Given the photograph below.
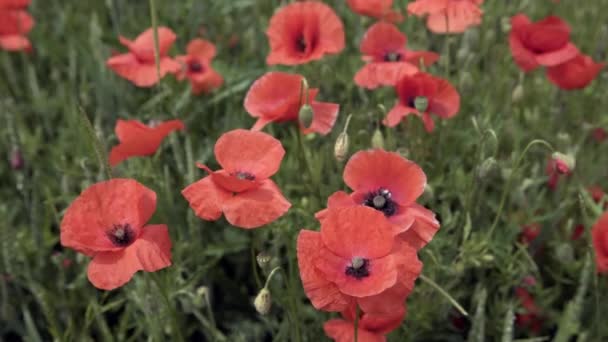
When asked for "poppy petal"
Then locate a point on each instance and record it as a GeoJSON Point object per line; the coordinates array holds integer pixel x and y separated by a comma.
{"type": "Point", "coordinates": [574, 74]}
{"type": "Point", "coordinates": [271, 95]}
{"type": "Point", "coordinates": [141, 74]}
{"type": "Point", "coordinates": [324, 117]}
{"type": "Point", "coordinates": [368, 171]}
{"type": "Point", "coordinates": [102, 206]}
{"type": "Point", "coordinates": [256, 153]}
{"type": "Point", "coordinates": [426, 58]}
{"type": "Point", "coordinates": [599, 234]}
{"type": "Point", "coordinates": [424, 227]}
{"type": "Point", "coordinates": [343, 331]}
{"type": "Point", "coordinates": [143, 45]}
{"type": "Point", "coordinates": [202, 49]}
{"type": "Point", "coordinates": [233, 183]}
{"type": "Point", "coordinates": [376, 74]}
{"type": "Point", "coordinates": [206, 198]}
{"type": "Point", "coordinates": [457, 17]}
{"type": "Point", "coordinates": [210, 81]}
{"type": "Point", "coordinates": [323, 294]}
{"type": "Point", "coordinates": [396, 114]}
{"type": "Point", "coordinates": [338, 199]}
{"type": "Point", "coordinates": [256, 207]}
{"type": "Point", "coordinates": [557, 57]}
{"type": "Point", "coordinates": [380, 38]}
{"type": "Point", "coordinates": [15, 43]}
{"type": "Point", "coordinates": [150, 252]}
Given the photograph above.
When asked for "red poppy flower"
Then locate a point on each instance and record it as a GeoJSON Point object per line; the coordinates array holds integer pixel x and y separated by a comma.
{"type": "Point", "coordinates": [599, 234]}
{"type": "Point", "coordinates": [356, 258]}
{"type": "Point", "coordinates": [599, 134]}
{"type": "Point", "coordinates": [15, 24]}
{"type": "Point", "coordinates": [242, 190]}
{"type": "Point", "coordinates": [576, 73]}
{"type": "Point", "coordinates": [577, 232]}
{"type": "Point", "coordinates": [138, 65]}
{"type": "Point", "coordinates": [389, 183]}
{"type": "Point", "coordinates": [138, 140]}
{"type": "Point", "coordinates": [107, 222]}
{"type": "Point", "coordinates": [197, 67]}
{"type": "Point", "coordinates": [302, 32]}
{"type": "Point", "coordinates": [529, 233]}
{"type": "Point", "coordinates": [379, 9]}
{"type": "Point", "coordinates": [370, 328]}
{"type": "Point", "coordinates": [546, 42]}
{"type": "Point", "coordinates": [556, 167]}
{"type": "Point", "coordinates": [447, 16]}
{"type": "Point", "coordinates": [530, 317]}
{"type": "Point", "coordinates": [277, 97]}
{"type": "Point", "coordinates": [383, 47]}
{"type": "Point", "coordinates": [597, 194]}
{"type": "Point", "coordinates": [440, 96]}
{"type": "Point", "coordinates": [14, 4]}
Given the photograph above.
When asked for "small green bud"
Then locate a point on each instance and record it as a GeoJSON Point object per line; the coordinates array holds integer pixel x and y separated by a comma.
{"type": "Point", "coordinates": [305, 116]}
{"type": "Point", "coordinates": [341, 147]}
{"type": "Point", "coordinates": [518, 93]}
{"type": "Point", "coordinates": [378, 139]}
{"type": "Point", "coordinates": [487, 168]}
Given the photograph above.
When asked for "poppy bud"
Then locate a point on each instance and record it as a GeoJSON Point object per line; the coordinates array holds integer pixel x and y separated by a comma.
{"type": "Point", "coordinates": [563, 164]}
{"type": "Point", "coordinates": [378, 139]}
{"type": "Point", "coordinates": [518, 93]}
{"type": "Point", "coordinates": [305, 115]}
{"type": "Point", "coordinates": [421, 103]}
{"type": "Point", "coordinates": [263, 258]}
{"type": "Point", "coordinates": [16, 159]}
{"type": "Point", "coordinates": [486, 168]}
{"type": "Point", "coordinates": [599, 134]}
{"type": "Point", "coordinates": [263, 302]}
{"type": "Point", "coordinates": [342, 143]}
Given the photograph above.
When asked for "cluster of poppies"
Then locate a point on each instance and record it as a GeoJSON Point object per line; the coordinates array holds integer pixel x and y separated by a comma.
{"type": "Point", "coordinates": [139, 64]}
{"type": "Point", "coordinates": [15, 24]}
{"type": "Point", "coordinates": [547, 43]}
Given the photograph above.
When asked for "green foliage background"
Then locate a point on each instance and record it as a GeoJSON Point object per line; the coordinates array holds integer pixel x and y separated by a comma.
{"type": "Point", "coordinates": [207, 293]}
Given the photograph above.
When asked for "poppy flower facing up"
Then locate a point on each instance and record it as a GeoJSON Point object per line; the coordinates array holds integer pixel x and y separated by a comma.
{"type": "Point", "coordinates": [447, 16]}
{"type": "Point", "coordinates": [108, 223]}
{"type": "Point", "coordinates": [384, 48]}
{"type": "Point", "coordinates": [302, 32]}
{"type": "Point", "coordinates": [437, 96]}
{"type": "Point", "coordinates": [138, 65]}
{"type": "Point", "coordinates": [390, 184]}
{"type": "Point", "coordinates": [197, 67]}
{"type": "Point", "coordinates": [242, 190]}
{"type": "Point", "coordinates": [576, 73]}
{"type": "Point", "coordinates": [356, 260]}
{"type": "Point", "coordinates": [138, 140]}
{"type": "Point", "coordinates": [546, 42]}
{"type": "Point", "coordinates": [278, 97]}
{"type": "Point", "coordinates": [599, 234]}
{"type": "Point", "coordinates": [15, 24]}
{"type": "Point", "coordinates": [371, 328]}
{"type": "Point", "coordinates": [379, 9]}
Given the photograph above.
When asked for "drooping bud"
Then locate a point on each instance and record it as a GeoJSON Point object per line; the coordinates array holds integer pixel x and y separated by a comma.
{"type": "Point", "coordinates": [342, 142]}
{"type": "Point", "coordinates": [421, 103]}
{"type": "Point", "coordinates": [306, 114]}
{"type": "Point", "coordinates": [378, 139]}
{"type": "Point", "coordinates": [487, 168]}
{"type": "Point", "coordinates": [518, 93]}
{"type": "Point", "coordinates": [263, 301]}
{"type": "Point", "coordinates": [564, 164]}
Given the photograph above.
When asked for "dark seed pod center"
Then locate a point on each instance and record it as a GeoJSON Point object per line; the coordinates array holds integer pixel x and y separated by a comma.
{"type": "Point", "coordinates": [381, 200]}
{"type": "Point", "coordinates": [121, 235]}
{"type": "Point", "coordinates": [359, 268]}
{"type": "Point", "coordinates": [195, 66]}
{"type": "Point", "coordinates": [392, 57]}
{"type": "Point", "coordinates": [301, 44]}
{"type": "Point", "coordinates": [244, 175]}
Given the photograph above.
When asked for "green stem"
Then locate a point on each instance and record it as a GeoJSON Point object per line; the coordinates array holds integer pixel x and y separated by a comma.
{"type": "Point", "coordinates": [274, 270]}
{"type": "Point", "coordinates": [445, 294]}
{"type": "Point", "coordinates": [154, 19]}
{"type": "Point", "coordinates": [356, 323]}
{"type": "Point", "coordinates": [97, 144]}
{"type": "Point", "coordinates": [176, 329]}
{"type": "Point", "coordinates": [507, 188]}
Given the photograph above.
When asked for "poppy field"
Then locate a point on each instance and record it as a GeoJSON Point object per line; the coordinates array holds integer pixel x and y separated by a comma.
{"type": "Point", "coordinates": [340, 170]}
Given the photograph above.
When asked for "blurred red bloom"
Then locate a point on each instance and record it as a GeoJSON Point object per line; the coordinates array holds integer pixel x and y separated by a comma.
{"type": "Point", "coordinates": [384, 48]}
{"type": "Point", "coordinates": [530, 317]}
{"type": "Point", "coordinates": [107, 222]}
{"type": "Point", "coordinates": [138, 65]}
{"type": "Point", "coordinates": [447, 16]}
{"type": "Point", "coordinates": [599, 234]}
{"type": "Point", "coordinates": [356, 258]}
{"type": "Point", "coordinates": [597, 194]}
{"type": "Point", "coordinates": [278, 97]}
{"type": "Point", "coordinates": [138, 140]}
{"type": "Point", "coordinates": [529, 233]}
{"type": "Point", "coordinates": [379, 9]}
{"type": "Point", "coordinates": [577, 232]}
{"type": "Point", "coordinates": [302, 32]}
{"type": "Point", "coordinates": [599, 134]}
{"type": "Point", "coordinates": [576, 73]}
{"type": "Point", "coordinates": [196, 67]}
{"type": "Point", "coordinates": [439, 96]}
{"type": "Point", "coordinates": [556, 167]}
{"type": "Point", "coordinates": [389, 183]}
{"type": "Point", "coordinates": [370, 328]}
{"type": "Point", "coordinates": [242, 189]}
{"type": "Point", "coordinates": [15, 24]}
{"type": "Point", "coordinates": [546, 42]}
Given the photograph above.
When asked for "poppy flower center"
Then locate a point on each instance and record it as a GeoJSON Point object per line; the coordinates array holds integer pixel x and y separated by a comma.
{"type": "Point", "coordinates": [301, 44]}
{"type": "Point", "coordinates": [392, 57]}
{"type": "Point", "coordinates": [195, 66]}
{"type": "Point", "coordinates": [244, 175]}
{"type": "Point", "coordinates": [121, 235]}
{"type": "Point", "coordinates": [358, 268]}
{"type": "Point", "coordinates": [381, 200]}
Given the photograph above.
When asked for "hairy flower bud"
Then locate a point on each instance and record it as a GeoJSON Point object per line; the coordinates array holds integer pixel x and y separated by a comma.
{"type": "Point", "coordinates": [263, 301]}
{"type": "Point", "coordinates": [378, 139]}
{"type": "Point", "coordinates": [341, 147]}
{"type": "Point", "coordinates": [518, 93]}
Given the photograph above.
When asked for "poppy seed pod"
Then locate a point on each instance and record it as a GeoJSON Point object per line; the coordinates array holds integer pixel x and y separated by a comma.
{"type": "Point", "coordinates": [518, 93]}
{"type": "Point", "coordinates": [421, 103]}
{"type": "Point", "coordinates": [263, 301]}
{"type": "Point", "coordinates": [263, 258]}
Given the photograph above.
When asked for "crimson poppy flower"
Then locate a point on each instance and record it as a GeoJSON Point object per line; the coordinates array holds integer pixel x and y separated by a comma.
{"type": "Point", "coordinates": [138, 140]}
{"type": "Point", "coordinates": [379, 9]}
{"type": "Point", "coordinates": [447, 16]}
{"type": "Point", "coordinates": [439, 96]}
{"type": "Point", "coordinates": [529, 233]}
{"type": "Point", "coordinates": [302, 32]}
{"type": "Point", "coordinates": [370, 328]}
{"type": "Point", "coordinates": [558, 165]}
{"type": "Point", "coordinates": [356, 258]}
{"type": "Point", "coordinates": [197, 67]}
{"type": "Point", "coordinates": [15, 24]}
{"type": "Point", "coordinates": [138, 65]}
{"type": "Point", "coordinates": [389, 183]}
{"type": "Point", "coordinates": [108, 223]}
{"type": "Point", "coordinates": [576, 73]}
{"type": "Point", "coordinates": [599, 234]}
{"type": "Point", "coordinates": [546, 42]}
{"type": "Point", "coordinates": [530, 317]}
{"type": "Point", "coordinates": [383, 47]}
{"type": "Point", "coordinates": [577, 232]}
{"type": "Point", "coordinates": [242, 190]}
{"type": "Point", "coordinates": [599, 134]}
{"type": "Point", "coordinates": [597, 194]}
{"type": "Point", "coordinates": [278, 97]}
